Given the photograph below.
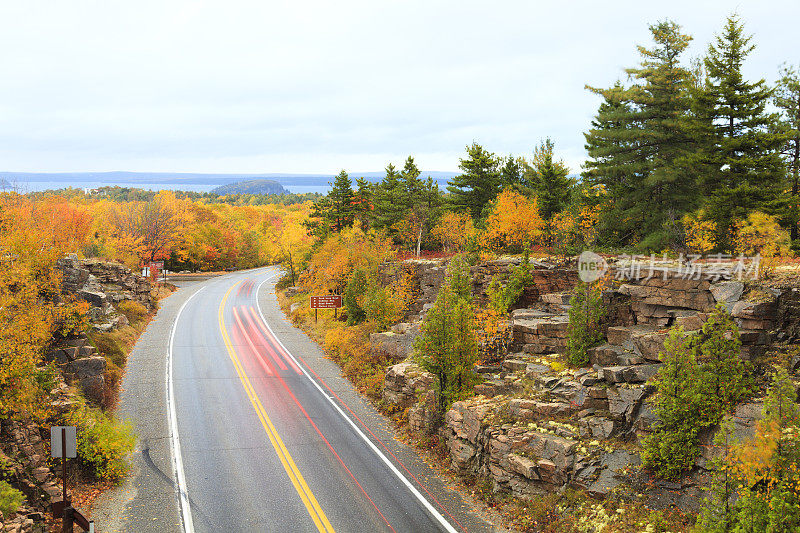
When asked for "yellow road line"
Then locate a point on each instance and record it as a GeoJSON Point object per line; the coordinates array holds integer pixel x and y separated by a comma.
{"type": "Point", "coordinates": [303, 490]}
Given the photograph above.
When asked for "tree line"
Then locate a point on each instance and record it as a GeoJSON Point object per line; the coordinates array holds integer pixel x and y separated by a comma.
{"type": "Point", "coordinates": [679, 149]}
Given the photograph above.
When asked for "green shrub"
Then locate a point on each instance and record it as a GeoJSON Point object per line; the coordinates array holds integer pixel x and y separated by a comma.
{"type": "Point", "coordinates": [702, 377]}
{"type": "Point", "coordinates": [380, 306]}
{"type": "Point", "coordinates": [104, 443]}
{"type": "Point", "coordinates": [10, 499]}
{"type": "Point", "coordinates": [447, 346]}
{"type": "Point", "coordinates": [584, 329]}
{"type": "Point", "coordinates": [501, 298]}
{"type": "Point", "coordinates": [354, 296]}
{"type": "Point", "coordinates": [133, 311]}
{"type": "Point", "coordinates": [459, 278]}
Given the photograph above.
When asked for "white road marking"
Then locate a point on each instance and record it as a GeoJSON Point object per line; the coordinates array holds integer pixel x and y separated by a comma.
{"type": "Point", "coordinates": [431, 509]}
{"type": "Point", "coordinates": [181, 490]}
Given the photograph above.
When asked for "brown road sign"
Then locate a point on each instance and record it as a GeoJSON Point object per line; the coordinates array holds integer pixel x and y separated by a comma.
{"type": "Point", "coordinates": [329, 301]}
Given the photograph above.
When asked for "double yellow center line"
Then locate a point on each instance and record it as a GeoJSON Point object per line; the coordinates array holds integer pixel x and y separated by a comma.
{"type": "Point", "coordinates": [317, 515]}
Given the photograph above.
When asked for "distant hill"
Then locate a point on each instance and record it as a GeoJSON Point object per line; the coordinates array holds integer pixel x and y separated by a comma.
{"type": "Point", "coordinates": [251, 187]}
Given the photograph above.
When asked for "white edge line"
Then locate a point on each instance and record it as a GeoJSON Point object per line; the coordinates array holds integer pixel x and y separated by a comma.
{"type": "Point", "coordinates": [181, 491]}
{"type": "Point", "coordinates": [431, 509]}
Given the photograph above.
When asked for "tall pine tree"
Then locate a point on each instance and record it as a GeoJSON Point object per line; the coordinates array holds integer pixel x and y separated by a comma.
{"type": "Point", "coordinates": [478, 184]}
{"type": "Point", "coordinates": [341, 202]}
{"type": "Point", "coordinates": [512, 175]}
{"type": "Point", "coordinates": [787, 99]}
{"type": "Point", "coordinates": [640, 140]}
{"type": "Point", "coordinates": [738, 159]}
{"type": "Point", "coordinates": [362, 203]}
{"type": "Point", "coordinates": [549, 180]}
{"type": "Point", "coordinates": [388, 200]}
{"type": "Point", "coordinates": [412, 184]}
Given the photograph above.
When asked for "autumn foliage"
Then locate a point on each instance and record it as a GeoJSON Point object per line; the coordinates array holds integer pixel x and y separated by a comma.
{"type": "Point", "coordinates": [513, 222]}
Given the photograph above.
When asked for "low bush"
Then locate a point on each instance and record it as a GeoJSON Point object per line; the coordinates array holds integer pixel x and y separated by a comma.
{"type": "Point", "coordinates": [353, 298]}
{"type": "Point", "coordinates": [502, 297]}
{"type": "Point", "coordinates": [115, 344]}
{"type": "Point", "coordinates": [104, 443]}
{"type": "Point", "coordinates": [585, 315]}
{"type": "Point", "coordinates": [350, 348]}
{"type": "Point", "coordinates": [10, 499]}
{"type": "Point", "coordinates": [382, 307]}
{"type": "Point", "coordinates": [112, 378]}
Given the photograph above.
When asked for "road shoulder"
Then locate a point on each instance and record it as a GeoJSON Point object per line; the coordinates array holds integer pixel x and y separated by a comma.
{"type": "Point", "coordinates": [146, 501]}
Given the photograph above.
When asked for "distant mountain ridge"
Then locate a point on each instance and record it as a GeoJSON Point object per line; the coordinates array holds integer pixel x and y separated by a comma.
{"type": "Point", "coordinates": [251, 187]}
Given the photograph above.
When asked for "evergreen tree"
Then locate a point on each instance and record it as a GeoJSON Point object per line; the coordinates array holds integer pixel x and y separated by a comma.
{"type": "Point", "coordinates": [341, 202]}
{"type": "Point", "coordinates": [362, 203]}
{"type": "Point", "coordinates": [780, 405]}
{"type": "Point", "coordinates": [702, 377]}
{"type": "Point", "coordinates": [609, 154]}
{"type": "Point", "coordinates": [717, 515]}
{"type": "Point", "coordinates": [511, 175]}
{"type": "Point", "coordinates": [447, 346]}
{"type": "Point", "coordinates": [549, 180]}
{"type": "Point", "coordinates": [318, 223]}
{"type": "Point", "coordinates": [422, 210]}
{"type": "Point", "coordinates": [640, 139]}
{"type": "Point", "coordinates": [479, 182]}
{"type": "Point", "coordinates": [412, 185]}
{"type": "Point", "coordinates": [389, 200]}
{"type": "Point", "coordinates": [787, 99]}
{"type": "Point", "coordinates": [738, 157]}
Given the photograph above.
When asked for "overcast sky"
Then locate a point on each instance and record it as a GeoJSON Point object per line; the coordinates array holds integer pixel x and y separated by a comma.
{"type": "Point", "coordinates": [297, 86]}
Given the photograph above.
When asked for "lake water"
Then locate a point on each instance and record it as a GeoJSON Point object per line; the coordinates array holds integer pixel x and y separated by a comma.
{"type": "Point", "coordinates": [298, 184]}
{"type": "Point", "coordinates": [36, 186]}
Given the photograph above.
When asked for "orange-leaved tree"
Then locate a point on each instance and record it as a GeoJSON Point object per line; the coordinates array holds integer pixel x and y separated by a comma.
{"type": "Point", "coordinates": [31, 307]}
{"type": "Point", "coordinates": [454, 231]}
{"type": "Point", "coordinates": [513, 222]}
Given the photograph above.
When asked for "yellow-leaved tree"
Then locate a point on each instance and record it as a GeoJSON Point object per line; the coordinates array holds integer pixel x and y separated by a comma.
{"type": "Point", "coordinates": [700, 232]}
{"type": "Point", "coordinates": [31, 307]}
{"type": "Point", "coordinates": [760, 234]}
{"type": "Point", "coordinates": [513, 223]}
{"type": "Point", "coordinates": [454, 231]}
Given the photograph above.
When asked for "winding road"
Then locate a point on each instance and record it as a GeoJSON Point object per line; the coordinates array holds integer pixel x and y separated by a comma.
{"type": "Point", "coordinates": [261, 439]}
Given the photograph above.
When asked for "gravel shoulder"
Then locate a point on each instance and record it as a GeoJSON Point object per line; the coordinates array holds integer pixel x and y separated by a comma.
{"type": "Point", "coordinates": [146, 500]}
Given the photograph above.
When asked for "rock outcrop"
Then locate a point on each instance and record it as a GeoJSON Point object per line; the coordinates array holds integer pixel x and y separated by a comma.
{"type": "Point", "coordinates": [104, 283]}
{"type": "Point", "coordinates": [535, 426]}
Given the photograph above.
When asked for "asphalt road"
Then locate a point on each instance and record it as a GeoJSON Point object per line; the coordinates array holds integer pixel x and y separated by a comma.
{"type": "Point", "coordinates": [263, 433]}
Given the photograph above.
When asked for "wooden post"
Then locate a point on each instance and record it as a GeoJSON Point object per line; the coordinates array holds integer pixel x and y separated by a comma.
{"type": "Point", "coordinates": [66, 520]}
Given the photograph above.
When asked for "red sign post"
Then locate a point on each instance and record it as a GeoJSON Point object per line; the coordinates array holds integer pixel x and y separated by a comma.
{"type": "Point", "coordinates": [328, 301]}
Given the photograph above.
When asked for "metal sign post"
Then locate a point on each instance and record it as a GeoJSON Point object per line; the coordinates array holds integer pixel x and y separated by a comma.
{"type": "Point", "coordinates": [64, 444]}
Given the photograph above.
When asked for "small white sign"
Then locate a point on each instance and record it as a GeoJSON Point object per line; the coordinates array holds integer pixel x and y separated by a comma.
{"type": "Point", "coordinates": [591, 266]}
{"type": "Point", "coordinates": [70, 434]}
